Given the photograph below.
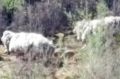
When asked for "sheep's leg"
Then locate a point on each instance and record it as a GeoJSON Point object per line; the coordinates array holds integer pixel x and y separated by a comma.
{"type": "Point", "coordinates": [6, 49]}
{"type": "Point", "coordinates": [78, 35]}
{"type": "Point", "coordinates": [85, 33]}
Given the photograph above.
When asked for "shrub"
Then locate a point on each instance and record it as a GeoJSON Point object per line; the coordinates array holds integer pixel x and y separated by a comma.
{"type": "Point", "coordinates": [102, 51]}
{"type": "Point", "coordinates": [10, 4]}
{"type": "Point", "coordinates": [102, 9]}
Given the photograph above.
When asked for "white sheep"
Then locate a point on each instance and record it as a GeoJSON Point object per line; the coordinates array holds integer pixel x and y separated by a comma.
{"type": "Point", "coordinates": [26, 42]}
{"type": "Point", "coordinates": [78, 29]}
{"type": "Point", "coordinates": [109, 20]}
{"type": "Point", "coordinates": [7, 35]}
{"type": "Point", "coordinates": [83, 28]}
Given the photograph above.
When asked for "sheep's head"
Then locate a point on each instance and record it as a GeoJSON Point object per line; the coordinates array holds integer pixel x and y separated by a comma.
{"type": "Point", "coordinates": [7, 35]}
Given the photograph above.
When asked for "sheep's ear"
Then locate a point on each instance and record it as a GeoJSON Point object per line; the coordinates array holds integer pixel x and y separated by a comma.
{"type": "Point", "coordinates": [8, 39]}
{"type": "Point", "coordinates": [6, 32]}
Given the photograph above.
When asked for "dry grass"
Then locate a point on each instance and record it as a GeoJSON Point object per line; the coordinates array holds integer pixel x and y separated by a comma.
{"type": "Point", "coordinates": [98, 60]}
{"type": "Point", "coordinates": [2, 49]}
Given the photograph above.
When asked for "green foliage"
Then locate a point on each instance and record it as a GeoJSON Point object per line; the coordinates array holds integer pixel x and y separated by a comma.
{"type": "Point", "coordinates": [102, 9]}
{"type": "Point", "coordinates": [96, 41]}
{"type": "Point", "coordinates": [10, 4]}
{"type": "Point", "coordinates": [84, 14]}
{"type": "Point", "coordinates": [78, 15]}
{"type": "Point", "coordinates": [117, 37]}
{"type": "Point", "coordinates": [94, 51]}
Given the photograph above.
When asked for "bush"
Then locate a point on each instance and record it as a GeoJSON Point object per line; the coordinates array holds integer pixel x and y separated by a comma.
{"type": "Point", "coordinates": [10, 4]}
{"type": "Point", "coordinates": [102, 9]}
{"type": "Point", "coordinates": [41, 16]}
{"type": "Point", "coordinates": [102, 54]}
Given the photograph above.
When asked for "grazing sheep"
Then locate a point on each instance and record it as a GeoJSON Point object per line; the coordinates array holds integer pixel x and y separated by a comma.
{"type": "Point", "coordinates": [79, 28]}
{"type": "Point", "coordinates": [84, 28]}
{"type": "Point", "coordinates": [85, 33]}
{"type": "Point", "coordinates": [90, 27]}
{"type": "Point", "coordinates": [109, 20]}
{"type": "Point", "coordinates": [7, 35]}
{"type": "Point", "coordinates": [23, 42]}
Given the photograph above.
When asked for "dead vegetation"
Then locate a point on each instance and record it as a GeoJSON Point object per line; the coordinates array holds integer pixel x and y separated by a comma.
{"type": "Point", "coordinates": [58, 67]}
{"type": "Point", "coordinates": [98, 58]}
